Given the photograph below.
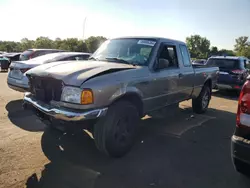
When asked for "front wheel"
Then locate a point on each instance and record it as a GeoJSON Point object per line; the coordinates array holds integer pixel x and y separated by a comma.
{"type": "Point", "coordinates": [200, 104]}
{"type": "Point", "coordinates": [116, 132]}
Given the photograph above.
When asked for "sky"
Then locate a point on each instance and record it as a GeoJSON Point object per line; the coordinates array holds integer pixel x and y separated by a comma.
{"type": "Point", "coordinates": [220, 21]}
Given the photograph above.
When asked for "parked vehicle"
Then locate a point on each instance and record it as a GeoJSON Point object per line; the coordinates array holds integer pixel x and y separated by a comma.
{"type": "Point", "coordinates": [241, 138]}
{"type": "Point", "coordinates": [32, 53]}
{"type": "Point", "coordinates": [126, 79]}
{"type": "Point", "coordinates": [199, 62]}
{"type": "Point", "coordinates": [11, 57]}
{"type": "Point", "coordinates": [233, 71]}
{"type": "Point", "coordinates": [4, 62]}
{"type": "Point", "coordinates": [18, 81]}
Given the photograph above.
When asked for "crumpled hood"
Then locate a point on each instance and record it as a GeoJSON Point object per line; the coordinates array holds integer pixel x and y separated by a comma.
{"type": "Point", "coordinates": [74, 73]}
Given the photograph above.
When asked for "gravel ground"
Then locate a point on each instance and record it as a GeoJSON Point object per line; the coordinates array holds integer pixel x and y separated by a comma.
{"type": "Point", "coordinates": [180, 150]}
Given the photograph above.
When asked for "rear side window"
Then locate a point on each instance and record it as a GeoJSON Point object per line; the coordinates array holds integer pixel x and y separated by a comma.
{"type": "Point", "coordinates": [243, 64]}
{"type": "Point", "coordinates": [246, 63]}
{"type": "Point", "coordinates": [185, 56]}
{"type": "Point", "coordinates": [224, 63]}
{"type": "Point", "coordinates": [26, 55]}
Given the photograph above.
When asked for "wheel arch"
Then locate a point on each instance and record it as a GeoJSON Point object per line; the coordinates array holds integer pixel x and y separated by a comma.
{"type": "Point", "coordinates": [134, 98]}
{"type": "Point", "coordinates": [208, 82]}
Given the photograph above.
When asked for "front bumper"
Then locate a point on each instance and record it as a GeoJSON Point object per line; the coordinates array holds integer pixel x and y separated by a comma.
{"type": "Point", "coordinates": [63, 113]}
{"type": "Point", "coordinates": [240, 149]}
{"type": "Point", "coordinates": [18, 88]}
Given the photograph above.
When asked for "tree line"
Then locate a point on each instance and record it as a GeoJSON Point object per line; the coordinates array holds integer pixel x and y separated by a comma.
{"type": "Point", "coordinates": [69, 44]}
{"type": "Point", "coordinates": [200, 48]}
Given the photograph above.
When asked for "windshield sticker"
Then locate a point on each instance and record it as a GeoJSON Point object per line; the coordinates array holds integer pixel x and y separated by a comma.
{"type": "Point", "coordinates": [147, 42]}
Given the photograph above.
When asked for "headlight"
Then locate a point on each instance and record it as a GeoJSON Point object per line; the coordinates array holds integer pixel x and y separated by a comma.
{"type": "Point", "coordinates": [77, 95]}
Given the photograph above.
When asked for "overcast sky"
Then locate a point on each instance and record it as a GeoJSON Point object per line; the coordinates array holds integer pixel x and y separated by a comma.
{"type": "Point", "coordinates": [221, 21]}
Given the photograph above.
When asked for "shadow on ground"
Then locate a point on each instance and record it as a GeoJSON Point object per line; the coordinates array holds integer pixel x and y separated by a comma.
{"type": "Point", "coordinates": [226, 94]}
{"type": "Point", "coordinates": [200, 157]}
{"type": "Point", "coordinates": [23, 118]}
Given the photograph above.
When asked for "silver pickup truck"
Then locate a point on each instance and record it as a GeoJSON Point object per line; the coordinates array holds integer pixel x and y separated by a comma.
{"type": "Point", "coordinates": [123, 80]}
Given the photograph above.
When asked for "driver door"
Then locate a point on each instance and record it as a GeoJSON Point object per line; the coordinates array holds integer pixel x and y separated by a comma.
{"type": "Point", "coordinates": [164, 80]}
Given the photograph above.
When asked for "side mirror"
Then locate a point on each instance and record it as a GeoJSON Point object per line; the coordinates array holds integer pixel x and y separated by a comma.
{"type": "Point", "coordinates": [162, 63]}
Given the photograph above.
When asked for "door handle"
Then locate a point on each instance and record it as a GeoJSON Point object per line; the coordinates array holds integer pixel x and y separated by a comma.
{"type": "Point", "coordinates": [180, 75]}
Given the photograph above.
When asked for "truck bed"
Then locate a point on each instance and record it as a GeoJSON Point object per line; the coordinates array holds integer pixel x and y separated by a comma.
{"type": "Point", "coordinates": [202, 73]}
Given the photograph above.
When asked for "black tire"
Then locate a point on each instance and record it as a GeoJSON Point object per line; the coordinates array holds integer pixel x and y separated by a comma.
{"type": "Point", "coordinates": [54, 126]}
{"type": "Point", "coordinates": [198, 104]}
{"type": "Point", "coordinates": [115, 134]}
{"type": "Point", "coordinates": [241, 167]}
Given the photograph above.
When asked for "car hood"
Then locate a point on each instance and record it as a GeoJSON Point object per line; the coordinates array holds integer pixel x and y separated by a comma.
{"type": "Point", "coordinates": [76, 72]}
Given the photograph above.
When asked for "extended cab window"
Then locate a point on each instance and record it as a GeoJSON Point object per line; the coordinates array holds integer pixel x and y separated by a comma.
{"type": "Point", "coordinates": [167, 57]}
{"type": "Point", "coordinates": [185, 56]}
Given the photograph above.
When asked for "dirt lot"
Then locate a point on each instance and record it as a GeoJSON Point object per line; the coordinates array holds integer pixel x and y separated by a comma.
{"type": "Point", "coordinates": [177, 151]}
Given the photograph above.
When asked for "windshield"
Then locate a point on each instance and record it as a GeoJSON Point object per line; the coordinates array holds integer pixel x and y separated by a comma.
{"type": "Point", "coordinates": [131, 51]}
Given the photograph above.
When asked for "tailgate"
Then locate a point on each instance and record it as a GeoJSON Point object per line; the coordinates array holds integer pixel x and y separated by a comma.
{"type": "Point", "coordinates": [226, 76]}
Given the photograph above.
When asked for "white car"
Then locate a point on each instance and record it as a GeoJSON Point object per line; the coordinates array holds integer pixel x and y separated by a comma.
{"type": "Point", "coordinates": [18, 81]}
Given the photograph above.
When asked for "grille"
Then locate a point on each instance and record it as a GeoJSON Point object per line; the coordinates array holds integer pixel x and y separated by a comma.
{"type": "Point", "coordinates": [46, 89]}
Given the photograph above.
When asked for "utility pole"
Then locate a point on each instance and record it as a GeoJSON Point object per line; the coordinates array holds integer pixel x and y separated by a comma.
{"type": "Point", "coordinates": [84, 26]}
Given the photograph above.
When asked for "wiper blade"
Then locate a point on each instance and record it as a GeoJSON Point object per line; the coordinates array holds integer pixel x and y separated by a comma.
{"type": "Point", "coordinates": [120, 60]}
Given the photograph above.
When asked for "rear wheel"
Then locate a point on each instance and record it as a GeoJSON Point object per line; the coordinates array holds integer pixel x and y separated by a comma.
{"type": "Point", "coordinates": [116, 132]}
{"type": "Point", "coordinates": [200, 104]}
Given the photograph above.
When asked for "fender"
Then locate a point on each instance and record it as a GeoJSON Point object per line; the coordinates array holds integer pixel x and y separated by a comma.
{"type": "Point", "coordinates": [126, 91]}
{"type": "Point", "coordinates": [131, 94]}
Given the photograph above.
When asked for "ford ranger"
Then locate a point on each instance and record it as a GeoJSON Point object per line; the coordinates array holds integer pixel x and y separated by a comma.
{"type": "Point", "coordinates": [125, 79]}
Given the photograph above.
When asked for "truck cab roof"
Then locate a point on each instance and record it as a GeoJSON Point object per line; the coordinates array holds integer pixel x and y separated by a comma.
{"type": "Point", "coordinates": [161, 39]}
